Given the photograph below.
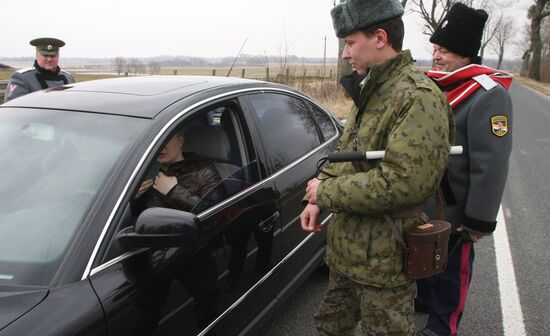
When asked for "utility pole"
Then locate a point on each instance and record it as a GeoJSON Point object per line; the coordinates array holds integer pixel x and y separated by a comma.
{"type": "Point", "coordinates": [325, 58]}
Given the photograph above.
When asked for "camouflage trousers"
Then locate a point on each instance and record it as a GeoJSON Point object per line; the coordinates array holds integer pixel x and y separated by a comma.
{"type": "Point", "coordinates": [382, 311]}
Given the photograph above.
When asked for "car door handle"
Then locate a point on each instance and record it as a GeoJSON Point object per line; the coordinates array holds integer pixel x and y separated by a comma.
{"type": "Point", "coordinates": [267, 224]}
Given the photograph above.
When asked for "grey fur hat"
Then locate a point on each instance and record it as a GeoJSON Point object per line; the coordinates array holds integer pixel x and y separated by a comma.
{"type": "Point", "coordinates": [353, 15]}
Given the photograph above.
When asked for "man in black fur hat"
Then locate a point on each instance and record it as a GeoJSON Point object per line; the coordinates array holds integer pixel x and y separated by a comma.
{"type": "Point", "coordinates": [474, 181]}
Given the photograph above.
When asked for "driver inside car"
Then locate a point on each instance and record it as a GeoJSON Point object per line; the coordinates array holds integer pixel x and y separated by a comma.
{"type": "Point", "coordinates": [180, 184]}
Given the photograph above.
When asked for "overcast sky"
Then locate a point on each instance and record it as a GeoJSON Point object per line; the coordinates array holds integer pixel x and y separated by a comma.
{"type": "Point", "coordinates": [207, 28]}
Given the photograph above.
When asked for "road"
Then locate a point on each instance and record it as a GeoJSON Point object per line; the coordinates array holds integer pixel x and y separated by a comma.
{"type": "Point", "coordinates": [510, 291]}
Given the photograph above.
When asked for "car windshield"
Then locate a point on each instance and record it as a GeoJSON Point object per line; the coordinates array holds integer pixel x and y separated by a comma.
{"type": "Point", "coordinates": [52, 165]}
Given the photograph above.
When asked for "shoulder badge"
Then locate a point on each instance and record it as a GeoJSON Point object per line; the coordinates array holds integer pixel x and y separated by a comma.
{"type": "Point", "coordinates": [10, 88]}
{"type": "Point", "coordinates": [499, 125]}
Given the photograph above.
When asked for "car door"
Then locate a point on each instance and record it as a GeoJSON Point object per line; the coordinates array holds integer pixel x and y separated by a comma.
{"type": "Point", "coordinates": [219, 286]}
{"type": "Point", "coordinates": [298, 135]}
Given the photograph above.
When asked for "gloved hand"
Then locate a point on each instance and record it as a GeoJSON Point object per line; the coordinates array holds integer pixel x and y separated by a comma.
{"type": "Point", "coordinates": [474, 238]}
{"type": "Point", "coordinates": [163, 184]}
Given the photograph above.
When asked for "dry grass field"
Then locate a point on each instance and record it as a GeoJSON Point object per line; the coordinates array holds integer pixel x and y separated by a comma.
{"type": "Point", "coordinates": [302, 77]}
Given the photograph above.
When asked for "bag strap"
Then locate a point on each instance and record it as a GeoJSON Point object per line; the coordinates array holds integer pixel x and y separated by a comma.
{"type": "Point", "coordinates": [439, 205]}
{"type": "Point", "coordinates": [396, 233]}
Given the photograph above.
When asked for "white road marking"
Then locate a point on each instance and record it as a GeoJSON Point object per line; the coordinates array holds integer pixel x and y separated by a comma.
{"type": "Point", "coordinates": [512, 317]}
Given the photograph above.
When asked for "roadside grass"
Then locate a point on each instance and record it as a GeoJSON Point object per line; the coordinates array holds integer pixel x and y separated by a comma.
{"type": "Point", "coordinates": [306, 78]}
{"type": "Point", "coordinates": [541, 87]}
{"type": "Point", "coordinates": [5, 75]}
{"type": "Point", "coordinates": [302, 77]}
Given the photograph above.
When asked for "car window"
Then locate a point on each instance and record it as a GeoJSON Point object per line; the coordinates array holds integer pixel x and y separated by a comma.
{"type": "Point", "coordinates": [53, 164]}
{"type": "Point", "coordinates": [324, 121]}
{"type": "Point", "coordinates": [214, 139]}
{"type": "Point", "coordinates": [230, 185]}
{"type": "Point", "coordinates": [287, 126]}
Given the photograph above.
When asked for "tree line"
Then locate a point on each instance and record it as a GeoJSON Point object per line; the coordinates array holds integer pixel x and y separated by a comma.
{"type": "Point", "coordinates": [501, 31]}
{"type": "Point", "coordinates": [153, 65]}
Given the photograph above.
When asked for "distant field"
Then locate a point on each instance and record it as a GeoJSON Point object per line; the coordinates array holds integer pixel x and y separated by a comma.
{"type": "Point", "coordinates": [294, 70]}
{"type": "Point", "coordinates": [302, 77]}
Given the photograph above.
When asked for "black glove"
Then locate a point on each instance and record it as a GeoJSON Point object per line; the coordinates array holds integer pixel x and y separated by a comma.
{"type": "Point", "coordinates": [352, 87]}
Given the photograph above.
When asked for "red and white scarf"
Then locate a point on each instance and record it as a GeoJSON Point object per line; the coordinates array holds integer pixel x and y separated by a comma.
{"type": "Point", "coordinates": [469, 75]}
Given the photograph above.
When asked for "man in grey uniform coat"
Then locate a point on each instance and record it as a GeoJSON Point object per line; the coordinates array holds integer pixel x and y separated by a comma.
{"type": "Point", "coordinates": [474, 182]}
{"type": "Point", "coordinates": [45, 73]}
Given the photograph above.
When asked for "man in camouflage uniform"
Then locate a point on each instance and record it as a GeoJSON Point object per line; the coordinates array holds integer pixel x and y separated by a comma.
{"type": "Point", "coordinates": [45, 73]}
{"type": "Point", "coordinates": [400, 111]}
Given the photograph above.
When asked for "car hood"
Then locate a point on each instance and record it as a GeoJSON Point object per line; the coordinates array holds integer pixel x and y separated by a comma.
{"type": "Point", "coordinates": [16, 301]}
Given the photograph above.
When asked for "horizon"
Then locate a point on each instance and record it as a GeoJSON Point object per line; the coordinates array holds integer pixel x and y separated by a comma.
{"type": "Point", "coordinates": [106, 29]}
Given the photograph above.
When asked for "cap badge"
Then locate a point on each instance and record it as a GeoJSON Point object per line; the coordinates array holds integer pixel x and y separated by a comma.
{"type": "Point", "coordinates": [499, 125]}
{"type": "Point", "coordinates": [49, 47]}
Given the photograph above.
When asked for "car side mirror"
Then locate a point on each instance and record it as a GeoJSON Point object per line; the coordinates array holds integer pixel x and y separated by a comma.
{"type": "Point", "coordinates": [161, 227]}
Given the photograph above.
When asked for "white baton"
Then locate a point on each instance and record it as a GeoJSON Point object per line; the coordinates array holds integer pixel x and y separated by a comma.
{"type": "Point", "coordinates": [372, 155]}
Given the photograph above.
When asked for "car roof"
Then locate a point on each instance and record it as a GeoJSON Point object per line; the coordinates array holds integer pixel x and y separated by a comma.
{"type": "Point", "coordinates": [132, 96]}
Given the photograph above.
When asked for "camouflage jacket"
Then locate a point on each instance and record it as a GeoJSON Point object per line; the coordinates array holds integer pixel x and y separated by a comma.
{"type": "Point", "coordinates": [402, 112]}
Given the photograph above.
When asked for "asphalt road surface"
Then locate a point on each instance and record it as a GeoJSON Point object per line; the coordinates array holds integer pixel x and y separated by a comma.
{"type": "Point", "coordinates": [510, 292]}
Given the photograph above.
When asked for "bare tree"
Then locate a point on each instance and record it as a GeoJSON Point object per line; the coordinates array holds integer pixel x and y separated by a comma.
{"type": "Point", "coordinates": [525, 54]}
{"type": "Point", "coordinates": [119, 63]}
{"type": "Point", "coordinates": [489, 31]}
{"type": "Point", "coordinates": [265, 60]}
{"type": "Point", "coordinates": [537, 12]}
{"type": "Point", "coordinates": [503, 35]}
{"type": "Point", "coordinates": [283, 59]}
{"type": "Point", "coordinates": [546, 37]}
{"type": "Point", "coordinates": [432, 12]}
{"type": "Point", "coordinates": [135, 66]}
{"type": "Point", "coordinates": [545, 62]}
{"type": "Point", "coordinates": [494, 22]}
{"type": "Point", "coordinates": [154, 67]}
{"type": "Point", "coordinates": [140, 68]}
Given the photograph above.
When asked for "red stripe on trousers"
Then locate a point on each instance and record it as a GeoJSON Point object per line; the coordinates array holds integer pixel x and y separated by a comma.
{"type": "Point", "coordinates": [464, 285]}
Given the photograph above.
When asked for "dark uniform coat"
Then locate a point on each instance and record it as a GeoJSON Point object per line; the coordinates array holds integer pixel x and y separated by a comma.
{"type": "Point", "coordinates": [472, 191]}
{"type": "Point", "coordinates": [474, 184]}
{"type": "Point", "coordinates": [33, 79]}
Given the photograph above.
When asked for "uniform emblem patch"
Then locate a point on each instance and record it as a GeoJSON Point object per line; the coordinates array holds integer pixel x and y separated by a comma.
{"type": "Point", "coordinates": [11, 88]}
{"type": "Point", "coordinates": [499, 125]}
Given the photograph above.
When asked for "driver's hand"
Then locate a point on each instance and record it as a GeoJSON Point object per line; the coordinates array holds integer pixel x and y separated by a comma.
{"type": "Point", "coordinates": [163, 184]}
{"type": "Point", "coordinates": [146, 185]}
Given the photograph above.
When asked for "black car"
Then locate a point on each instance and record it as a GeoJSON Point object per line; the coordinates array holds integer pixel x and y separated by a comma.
{"type": "Point", "coordinates": [76, 258]}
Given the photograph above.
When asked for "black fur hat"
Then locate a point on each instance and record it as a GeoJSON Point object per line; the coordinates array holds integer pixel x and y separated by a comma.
{"type": "Point", "coordinates": [461, 30]}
